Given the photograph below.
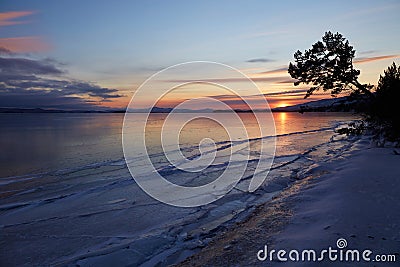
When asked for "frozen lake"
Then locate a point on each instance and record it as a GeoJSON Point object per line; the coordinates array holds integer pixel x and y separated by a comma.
{"type": "Point", "coordinates": [67, 197]}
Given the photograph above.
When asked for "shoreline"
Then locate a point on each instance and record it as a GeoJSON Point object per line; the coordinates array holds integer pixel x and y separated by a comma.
{"type": "Point", "coordinates": [355, 197]}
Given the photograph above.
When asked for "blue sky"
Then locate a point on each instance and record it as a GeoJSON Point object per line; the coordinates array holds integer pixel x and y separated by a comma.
{"type": "Point", "coordinates": [119, 44]}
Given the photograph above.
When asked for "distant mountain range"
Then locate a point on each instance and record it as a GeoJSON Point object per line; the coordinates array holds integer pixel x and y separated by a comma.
{"type": "Point", "coordinates": [339, 104]}
{"type": "Point", "coordinates": [41, 110]}
{"type": "Point", "coordinates": [153, 110]}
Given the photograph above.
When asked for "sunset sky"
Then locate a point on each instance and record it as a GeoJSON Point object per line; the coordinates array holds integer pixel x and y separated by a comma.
{"type": "Point", "coordinates": [86, 54]}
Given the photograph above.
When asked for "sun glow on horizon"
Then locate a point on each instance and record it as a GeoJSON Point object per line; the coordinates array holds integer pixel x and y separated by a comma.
{"type": "Point", "coordinates": [281, 105]}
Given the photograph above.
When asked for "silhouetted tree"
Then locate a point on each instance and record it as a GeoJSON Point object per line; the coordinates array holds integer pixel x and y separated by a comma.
{"type": "Point", "coordinates": [388, 89]}
{"type": "Point", "coordinates": [328, 65]}
{"type": "Point", "coordinates": [384, 108]}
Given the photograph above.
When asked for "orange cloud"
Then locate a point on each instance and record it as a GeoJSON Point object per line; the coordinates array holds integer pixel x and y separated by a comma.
{"type": "Point", "coordinates": [24, 44]}
{"type": "Point", "coordinates": [282, 70]}
{"type": "Point", "coordinates": [370, 59]}
{"type": "Point", "coordinates": [8, 18]}
{"type": "Point", "coordinates": [20, 44]}
{"type": "Point", "coordinates": [221, 80]}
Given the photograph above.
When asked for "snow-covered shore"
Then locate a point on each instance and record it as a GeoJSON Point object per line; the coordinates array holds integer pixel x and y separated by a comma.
{"type": "Point", "coordinates": [356, 198]}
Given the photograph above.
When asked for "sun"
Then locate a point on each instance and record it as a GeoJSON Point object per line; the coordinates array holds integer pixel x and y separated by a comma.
{"type": "Point", "coordinates": [282, 104]}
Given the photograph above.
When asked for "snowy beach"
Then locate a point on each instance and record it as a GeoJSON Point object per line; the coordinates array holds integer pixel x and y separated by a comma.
{"type": "Point", "coordinates": [353, 197]}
